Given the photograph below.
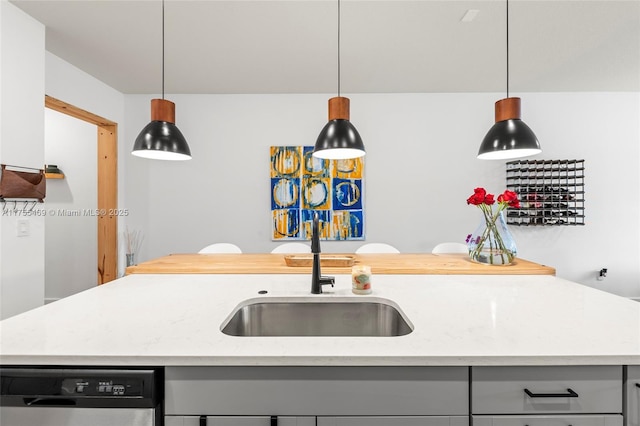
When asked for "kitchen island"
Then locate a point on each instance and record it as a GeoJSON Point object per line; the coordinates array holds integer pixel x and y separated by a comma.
{"type": "Point", "coordinates": [476, 342]}
{"type": "Point", "coordinates": [176, 319]}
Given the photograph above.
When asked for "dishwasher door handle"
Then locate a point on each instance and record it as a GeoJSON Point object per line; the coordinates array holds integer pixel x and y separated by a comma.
{"type": "Point", "coordinates": [49, 402]}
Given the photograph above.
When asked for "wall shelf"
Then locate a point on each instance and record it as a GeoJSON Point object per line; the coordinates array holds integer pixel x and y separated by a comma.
{"type": "Point", "coordinates": [551, 192]}
{"type": "Point", "coordinates": [54, 175]}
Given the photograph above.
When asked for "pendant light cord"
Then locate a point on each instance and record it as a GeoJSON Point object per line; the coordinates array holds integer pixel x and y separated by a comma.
{"type": "Point", "coordinates": [507, 48]}
{"type": "Point", "coordinates": [338, 48]}
{"type": "Point", "coordinates": [162, 49]}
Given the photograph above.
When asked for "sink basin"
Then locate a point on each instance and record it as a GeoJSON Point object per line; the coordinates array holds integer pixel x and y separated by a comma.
{"type": "Point", "coordinates": [307, 317]}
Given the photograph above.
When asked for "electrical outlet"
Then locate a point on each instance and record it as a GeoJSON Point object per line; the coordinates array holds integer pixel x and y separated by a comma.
{"type": "Point", "coordinates": [602, 274]}
{"type": "Point", "coordinates": [23, 228]}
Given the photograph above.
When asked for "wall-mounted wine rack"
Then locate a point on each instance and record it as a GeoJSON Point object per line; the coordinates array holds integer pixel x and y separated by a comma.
{"type": "Point", "coordinates": [551, 192]}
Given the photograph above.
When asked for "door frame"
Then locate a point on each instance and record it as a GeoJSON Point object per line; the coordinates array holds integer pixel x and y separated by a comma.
{"type": "Point", "coordinates": [107, 185]}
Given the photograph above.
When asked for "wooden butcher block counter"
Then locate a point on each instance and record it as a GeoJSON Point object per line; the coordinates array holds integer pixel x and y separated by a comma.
{"type": "Point", "coordinates": [403, 263]}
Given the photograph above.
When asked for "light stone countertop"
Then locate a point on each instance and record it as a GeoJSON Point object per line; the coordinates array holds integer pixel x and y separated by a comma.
{"type": "Point", "coordinates": [169, 320]}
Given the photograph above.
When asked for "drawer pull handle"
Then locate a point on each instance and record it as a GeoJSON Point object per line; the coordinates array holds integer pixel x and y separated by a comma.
{"type": "Point", "coordinates": [570, 394]}
{"type": "Point", "coordinates": [203, 420]}
{"type": "Point", "coordinates": [638, 385]}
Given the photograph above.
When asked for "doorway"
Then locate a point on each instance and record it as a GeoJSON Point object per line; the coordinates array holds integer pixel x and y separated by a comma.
{"type": "Point", "coordinates": [107, 166]}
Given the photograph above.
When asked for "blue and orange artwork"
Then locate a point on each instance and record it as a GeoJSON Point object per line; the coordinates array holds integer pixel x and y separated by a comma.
{"type": "Point", "coordinates": [314, 167]}
{"type": "Point", "coordinates": [347, 194]}
{"type": "Point", "coordinates": [286, 224]}
{"type": "Point", "coordinates": [350, 168]}
{"type": "Point", "coordinates": [285, 193]}
{"type": "Point", "coordinates": [302, 185]}
{"type": "Point", "coordinates": [286, 161]}
{"type": "Point", "coordinates": [324, 224]}
{"type": "Point", "coordinates": [316, 193]}
{"type": "Point", "coordinates": [347, 225]}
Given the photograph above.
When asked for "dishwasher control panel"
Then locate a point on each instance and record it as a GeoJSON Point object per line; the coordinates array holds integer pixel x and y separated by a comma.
{"type": "Point", "coordinates": [103, 386]}
{"type": "Point", "coordinates": [84, 387]}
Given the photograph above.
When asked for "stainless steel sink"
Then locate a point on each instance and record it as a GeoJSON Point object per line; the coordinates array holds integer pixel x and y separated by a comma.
{"type": "Point", "coordinates": [305, 317]}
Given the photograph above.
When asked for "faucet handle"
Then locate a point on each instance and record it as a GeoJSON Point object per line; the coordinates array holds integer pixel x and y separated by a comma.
{"type": "Point", "coordinates": [325, 280]}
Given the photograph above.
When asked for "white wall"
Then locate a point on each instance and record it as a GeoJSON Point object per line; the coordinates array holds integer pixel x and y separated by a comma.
{"type": "Point", "coordinates": [71, 235]}
{"type": "Point", "coordinates": [602, 128]}
{"type": "Point", "coordinates": [21, 144]}
{"type": "Point", "coordinates": [24, 84]}
{"type": "Point", "coordinates": [72, 85]}
{"type": "Point", "coordinates": [420, 169]}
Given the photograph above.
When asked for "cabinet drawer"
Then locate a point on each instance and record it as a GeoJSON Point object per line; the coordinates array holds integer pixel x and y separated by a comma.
{"type": "Point", "coordinates": [238, 421]}
{"type": "Point", "coordinates": [394, 421]}
{"type": "Point", "coordinates": [546, 390]}
{"type": "Point", "coordinates": [317, 391]}
{"type": "Point", "coordinates": [570, 420]}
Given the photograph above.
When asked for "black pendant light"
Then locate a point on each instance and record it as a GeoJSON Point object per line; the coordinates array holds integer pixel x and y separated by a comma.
{"type": "Point", "coordinates": [339, 139]}
{"type": "Point", "coordinates": [161, 139]}
{"type": "Point", "coordinates": [510, 137]}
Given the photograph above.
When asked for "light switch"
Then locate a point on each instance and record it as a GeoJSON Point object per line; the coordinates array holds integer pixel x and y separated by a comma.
{"type": "Point", "coordinates": [23, 228]}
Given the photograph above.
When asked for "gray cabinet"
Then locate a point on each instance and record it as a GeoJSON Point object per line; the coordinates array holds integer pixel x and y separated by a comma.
{"type": "Point", "coordinates": [547, 390]}
{"type": "Point", "coordinates": [538, 420]}
{"type": "Point", "coordinates": [238, 421]}
{"type": "Point", "coordinates": [319, 421]}
{"type": "Point", "coordinates": [402, 396]}
{"type": "Point", "coordinates": [549, 396]}
{"type": "Point", "coordinates": [633, 396]}
{"type": "Point", "coordinates": [394, 421]}
{"type": "Point", "coordinates": [317, 391]}
{"type": "Point", "coordinates": [339, 396]}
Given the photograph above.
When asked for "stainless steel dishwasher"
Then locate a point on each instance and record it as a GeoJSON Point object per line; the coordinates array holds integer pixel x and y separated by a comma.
{"type": "Point", "coordinates": [80, 397]}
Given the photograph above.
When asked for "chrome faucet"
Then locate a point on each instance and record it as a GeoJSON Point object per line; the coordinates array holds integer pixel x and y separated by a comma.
{"type": "Point", "coordinates": [317, 280]}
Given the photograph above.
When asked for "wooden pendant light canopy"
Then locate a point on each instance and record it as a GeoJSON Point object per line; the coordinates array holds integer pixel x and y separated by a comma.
{"type": "Point", "coordinates": [508, 109]}
{"type": "Point", "coordinates": [163, 110]}
{"type": "Point", "coordinates": [339, 108]}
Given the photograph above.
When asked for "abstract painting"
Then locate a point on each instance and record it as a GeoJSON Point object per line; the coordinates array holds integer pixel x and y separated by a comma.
{"type": "Point", "coordinates": [302, 185]}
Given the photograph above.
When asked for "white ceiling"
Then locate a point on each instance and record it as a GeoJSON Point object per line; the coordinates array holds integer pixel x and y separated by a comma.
{"type": "Point", "coordinates": [265, 46]}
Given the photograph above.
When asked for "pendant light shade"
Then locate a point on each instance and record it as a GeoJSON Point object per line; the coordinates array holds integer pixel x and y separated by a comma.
{"type": "Point", "coordinates": [161, 139]}
{"type": "Point", "coordinates": [339, 139]}
{"type": "Point", "coordinates": [510, 137]}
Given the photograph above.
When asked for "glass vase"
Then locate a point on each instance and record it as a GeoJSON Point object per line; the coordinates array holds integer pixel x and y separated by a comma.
{"type": "Point", "coordinates": [492, 243]}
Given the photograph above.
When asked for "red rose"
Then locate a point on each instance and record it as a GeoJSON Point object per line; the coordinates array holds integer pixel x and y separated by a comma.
{"type": "Point", "coordinates": [478, 197]}
{"type": "Point", "coordinates": [488, 199]}
{"type": "Point", "coordinates": [510, 198]}
{"type": "Point", "coordinates": [507, 197]}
